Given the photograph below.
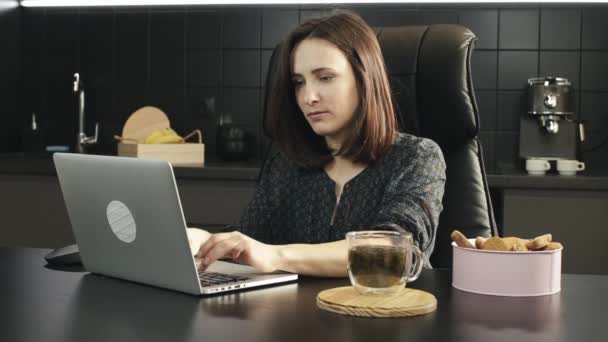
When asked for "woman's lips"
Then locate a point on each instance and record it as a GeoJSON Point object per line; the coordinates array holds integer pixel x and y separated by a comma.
{"type": "Point", "coordinates": [316, 115]}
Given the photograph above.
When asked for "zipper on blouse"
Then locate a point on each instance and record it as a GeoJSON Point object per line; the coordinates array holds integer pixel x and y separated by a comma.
{"type": "Point", "coordinates": [333, 214]}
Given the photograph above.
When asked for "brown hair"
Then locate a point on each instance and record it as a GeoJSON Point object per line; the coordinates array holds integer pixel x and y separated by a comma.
{"type": "Point", "coordinates": [374, 124]}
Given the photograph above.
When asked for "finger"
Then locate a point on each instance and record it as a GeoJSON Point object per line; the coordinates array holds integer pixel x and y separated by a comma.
{"type": "Point", "coordinates": [221, 249]}
{"type": "Point", "coordinates": [197, 263]}
{"type": "Point", "coordinates": [226, 247]}
{"type": "Point", "coordinates": [196, 237]}
{"type": "Point", "coordinates": [236, 253]}
{"type": "Point", "coordinates": [212, 240]}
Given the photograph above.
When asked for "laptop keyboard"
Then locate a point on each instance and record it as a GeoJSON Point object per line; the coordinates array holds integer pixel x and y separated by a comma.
{"type": "Point", "coordinates": [213, 278]}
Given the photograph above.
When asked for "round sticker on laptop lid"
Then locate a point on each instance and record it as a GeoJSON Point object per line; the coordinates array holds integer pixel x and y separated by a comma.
{"type": "Point", "coordinates": [121, 221]}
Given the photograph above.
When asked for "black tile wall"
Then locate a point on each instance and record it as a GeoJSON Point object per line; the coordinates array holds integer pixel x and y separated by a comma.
{"type": "Point", "coordinates": [506, 148]}
{"type": "Point", "coordinates": [167, 62]}
{"type": "Point", "coordinates": [241, 68]}
{"type": "Point", "coordinates": [203, 68]}
{"type": "Point", "coordinates": [131, 63]}
{"type": "Point", "coordinates": [10, 48]}
{"type": "Point", "coordinates": [167, 48]}
{"type": "Point", "coordinates": [33, 33]}
{"type": "Point", "coordinates": [60, 63]}
{"type": "Point", "coordinates": [488, 150]}
{"type": "Point", "coordinates": [515, 68]}
{"type": "Point", "coordinates": [202, 104]}
{"type": "Point", "coordinates": [203, 30]}
{"type": "Point", "coordinates": [96, 64]}
{"type": "Point", "coordinates": [199, 63]}
{"type": "Point", "coordinates": [595, 29]}
{"type": "Point", "coordinates": [62, 30]}
{"type": "Point", "coordinates": [266, 54]}
{"type": "Point", "coordinates": [310, 13]}
{"type": "Point", "coordinates": [594, 71]}
{"type": "Point", "coordinates": [276, 24]}
{"type": "Point", "coordinates": [241, 28]}
{"type": "Point", "coordinates": [561, 63]}
{"type": "Point", "coordinates": [575, 99]}
{"type": "Point", "coordinates": [560, 29]}
{"type": "Point", "coordinates": [518, 29]}
{"type": "Point", "coordinates": [485, 25]}
{"type": "Point", "coordinates": [595, 151]}
{"type": "Point", "coordinates": [241, 106]}
{"type": "Point", "coordinates": [486, 102]}
{"type": "Point", "coordinates": [395, 17]}
{"type": "Point", "coordinates": [483, 68]}
{"type": "Point", "coordinates": [594, 110]}
{"type": "Point", "coordinates": [511, 105]}
{"type": "Point", "coordinates": [10, 64]}
{"type": "Point", "coordinates": [32, 94]}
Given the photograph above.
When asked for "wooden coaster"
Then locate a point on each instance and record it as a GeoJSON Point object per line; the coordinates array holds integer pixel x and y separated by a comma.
{"type": "Point", "coordinates": [347, 301]}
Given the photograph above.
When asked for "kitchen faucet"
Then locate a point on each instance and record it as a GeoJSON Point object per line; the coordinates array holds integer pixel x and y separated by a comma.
{"type": "Point", "coordinates": [82, 140]}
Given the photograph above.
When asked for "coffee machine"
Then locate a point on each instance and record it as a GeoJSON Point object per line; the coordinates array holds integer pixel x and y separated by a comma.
{"type": "Point", "coordinates": [549, 130]}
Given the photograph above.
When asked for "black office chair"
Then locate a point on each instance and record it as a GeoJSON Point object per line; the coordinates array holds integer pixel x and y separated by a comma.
{"type": "Point", "coordinates": [430, 74]}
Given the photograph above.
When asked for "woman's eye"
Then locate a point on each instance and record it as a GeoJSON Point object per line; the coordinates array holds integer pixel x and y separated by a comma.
{"type": "Point", "coordinates": [326, 77]}
{"type": "Point", "coordinates": [296, 83]}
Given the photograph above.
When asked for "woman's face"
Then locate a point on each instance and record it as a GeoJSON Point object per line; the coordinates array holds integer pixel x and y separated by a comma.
{"type": "Point", "coordinates": [325, 88]}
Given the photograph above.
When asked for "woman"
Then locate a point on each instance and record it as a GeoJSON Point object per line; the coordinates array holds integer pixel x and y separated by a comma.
{"type": "Point", "coordinates": [342, 165]}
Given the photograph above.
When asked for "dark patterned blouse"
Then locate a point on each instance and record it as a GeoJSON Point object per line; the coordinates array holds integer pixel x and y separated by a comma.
{"type": "Point", "coordinates": [404, 187]}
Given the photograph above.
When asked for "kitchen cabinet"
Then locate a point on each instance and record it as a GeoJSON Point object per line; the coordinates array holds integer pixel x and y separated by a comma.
{"type": "Point", "coordinates": [578, 219]}
{"type": "Point", "coordinates": [34, 213]}
{"type": "Point", "coordinates": [574, 210]}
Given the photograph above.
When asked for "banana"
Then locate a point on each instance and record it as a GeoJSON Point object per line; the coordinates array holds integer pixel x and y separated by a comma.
{"type": "Point", "coordinates": [154, 135]}
{"type": "Point", "coordinates": [169, 139]}
{"type": "Point", "coordinates": [164, 136]}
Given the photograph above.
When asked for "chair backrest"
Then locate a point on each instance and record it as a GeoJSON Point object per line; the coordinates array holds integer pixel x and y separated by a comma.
{"type": "Point", "coordinates": [430, 75]}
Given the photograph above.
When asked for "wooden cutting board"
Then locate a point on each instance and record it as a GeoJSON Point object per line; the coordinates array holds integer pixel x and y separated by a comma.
{"type": "Point", "coordinates": [143, 122]}
{"type": "Point", "coordinates": [347, 301]}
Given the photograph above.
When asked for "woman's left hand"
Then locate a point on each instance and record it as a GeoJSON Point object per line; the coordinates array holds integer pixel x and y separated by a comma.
{"type": "Point", "coordinates": [239, 247]}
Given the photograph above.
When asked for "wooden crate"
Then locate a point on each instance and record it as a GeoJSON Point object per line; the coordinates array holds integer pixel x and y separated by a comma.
{"type": "Point", "coordinates": [188, 154]}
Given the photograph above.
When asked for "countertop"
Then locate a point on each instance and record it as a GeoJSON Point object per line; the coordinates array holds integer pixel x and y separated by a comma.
{"type": "Point", "coordinates": [18, 163]}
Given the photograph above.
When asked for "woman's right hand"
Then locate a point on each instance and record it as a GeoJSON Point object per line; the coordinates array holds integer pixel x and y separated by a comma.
{"type": "Point", "coordinates": [239, 247]}
{"type": "Point", "coordinates": [196, 238]}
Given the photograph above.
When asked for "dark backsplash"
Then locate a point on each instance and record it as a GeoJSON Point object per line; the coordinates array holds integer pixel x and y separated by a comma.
{"type": "Point", "coordinates": [197, 63]}
{"type": "Point", "coordinates": [10, 65]}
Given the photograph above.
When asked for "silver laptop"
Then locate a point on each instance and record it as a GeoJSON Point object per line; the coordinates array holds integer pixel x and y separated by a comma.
{"type": "Point", "coordinates": [128, 223]}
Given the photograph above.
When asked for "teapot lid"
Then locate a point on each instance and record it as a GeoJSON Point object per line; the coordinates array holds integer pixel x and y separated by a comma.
{"type": "Point", "coordinates": [549, 80]}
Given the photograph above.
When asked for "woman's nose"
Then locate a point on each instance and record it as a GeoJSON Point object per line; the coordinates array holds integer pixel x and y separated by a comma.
{"type": "Point", "coordinates": [311, 95]}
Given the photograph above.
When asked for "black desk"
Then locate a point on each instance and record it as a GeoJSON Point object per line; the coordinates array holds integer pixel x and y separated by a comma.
{"type": "Point", "coordinates": [41, 304]}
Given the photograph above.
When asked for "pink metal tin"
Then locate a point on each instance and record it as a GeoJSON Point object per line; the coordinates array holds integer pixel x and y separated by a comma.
{"type": "Point", "coordinates": [498, 273]}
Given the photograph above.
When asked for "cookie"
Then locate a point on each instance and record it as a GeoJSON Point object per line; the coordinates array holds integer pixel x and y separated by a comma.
{"type": "Point", "coordinates": [519, 246]}
{"type": "Point", "coordinates": [552, 246]}
{"type": "Point", "coordinates": [515, 244]}
{"type": "Point", "coordinates": [479, 241]}
{"type": "Point", "coordinates": [495, 244]}
{"type": "Point", "coordinates": [539, 242]}
{"type": "Point", "coordinates": [461, 240]}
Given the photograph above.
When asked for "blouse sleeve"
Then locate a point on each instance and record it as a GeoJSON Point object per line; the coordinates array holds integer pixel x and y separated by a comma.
{"type": "Point", "coordinates": [260, 216]}
{"type": "Point", "coordinates": [413, 197]}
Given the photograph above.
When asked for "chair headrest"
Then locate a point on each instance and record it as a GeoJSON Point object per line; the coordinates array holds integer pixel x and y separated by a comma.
{"type": "Point", "coordinates": [429, 67]}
